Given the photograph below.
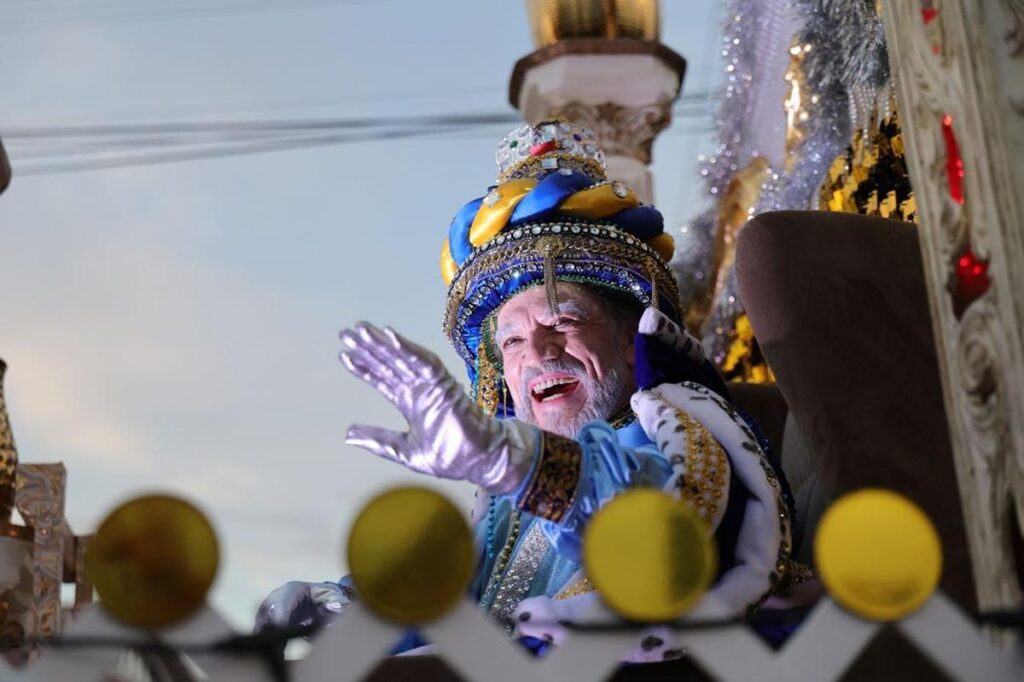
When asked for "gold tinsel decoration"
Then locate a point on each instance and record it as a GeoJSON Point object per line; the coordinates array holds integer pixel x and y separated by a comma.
{"type": "Point", "coordinates": [870, 177]}
{"type": "Point", "coordinates": [797, 103]}
{"type": "Point", "coordinates": [744, 361]}
{"type": "Point", "coordinates": [735, 209]}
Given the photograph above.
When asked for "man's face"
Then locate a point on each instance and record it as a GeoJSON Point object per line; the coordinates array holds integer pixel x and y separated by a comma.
{"type": "Point", "coordinates": [567, 369]}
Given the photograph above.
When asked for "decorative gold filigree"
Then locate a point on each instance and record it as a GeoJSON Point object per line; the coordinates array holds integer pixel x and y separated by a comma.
{"type": "Point", "coordinates": [556, 480]}
{"type": "Point", "coordinates": [40, 500]}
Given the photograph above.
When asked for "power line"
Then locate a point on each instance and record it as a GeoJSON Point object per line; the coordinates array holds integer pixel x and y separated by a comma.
{"type": "Point", "coordinates": [73, 148]}
{"type": "Point", "coordinates": [13, 133]}
{"type": "Point", "coordinates": [263, 146]}
{"type": "Point", "coordinates": [269, 125]}
{"type": "Point", "coordinates": [256, 147]}
{"type": "Point", "coordinates": [44, 18]}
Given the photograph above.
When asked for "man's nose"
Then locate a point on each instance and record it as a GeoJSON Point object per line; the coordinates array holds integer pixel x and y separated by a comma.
{"type": "Point", "coordinates": [543, 345]}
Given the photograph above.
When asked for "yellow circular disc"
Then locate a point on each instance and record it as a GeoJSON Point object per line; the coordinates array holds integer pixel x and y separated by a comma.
{"type": "Point", "coordinates": [649, 555]}
{"type": "Point", "coordinates": [152, 560]}
{"type": "Point", "coordinates": [878, 554]}
{"type": "Point", "coordinates": [411, 555]}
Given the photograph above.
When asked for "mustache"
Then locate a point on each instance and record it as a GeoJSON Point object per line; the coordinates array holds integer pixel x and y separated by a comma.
{"type": "Point", "coordinates": [567, 365]}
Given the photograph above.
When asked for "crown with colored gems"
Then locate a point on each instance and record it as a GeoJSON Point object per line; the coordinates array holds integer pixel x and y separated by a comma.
{"type": "Point", "coordinates": [550, 146]}
{"type": "Point", "coordinates": [553, 217]}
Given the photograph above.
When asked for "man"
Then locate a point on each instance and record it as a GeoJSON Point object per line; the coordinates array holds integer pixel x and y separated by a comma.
{"type": "Point", "coordinates": [562, 306]}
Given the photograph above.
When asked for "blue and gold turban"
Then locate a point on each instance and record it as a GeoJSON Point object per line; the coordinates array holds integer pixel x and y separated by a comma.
{"type": "Point", "coordinates": [553, 216]}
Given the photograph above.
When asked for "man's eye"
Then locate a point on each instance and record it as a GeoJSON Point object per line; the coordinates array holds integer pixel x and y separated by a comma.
{"type": "Point", "coordinates": [565, 322]}
{"type": "Point", "coordinates": [511, 341]}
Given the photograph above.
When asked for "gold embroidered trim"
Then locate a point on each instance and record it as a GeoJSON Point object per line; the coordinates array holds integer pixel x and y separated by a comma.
{"type": "Point", "coordinates": [581, 586]}
{"type": "Point", "coordinates": [783, 558]}
{"type": "Point", "coordinates": [702, 481]}
{"type": "Point", "coordinates": [623, 417]}
{"type": "Point", "coordinates": [554, 485]}
{"type": "Point", "coordinates": [487, 384]}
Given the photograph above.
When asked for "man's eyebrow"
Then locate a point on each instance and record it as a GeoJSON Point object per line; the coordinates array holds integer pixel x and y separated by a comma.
{"type": "Point", "coordinates": [572, 308]}
{"type": "Point", "coordinates": [564, 308]}
{"type": "Point", "coordinates": [504, 330]}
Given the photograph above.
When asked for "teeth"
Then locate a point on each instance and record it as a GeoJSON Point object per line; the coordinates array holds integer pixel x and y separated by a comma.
{"type": "Point", "coordinates": [551, 383]}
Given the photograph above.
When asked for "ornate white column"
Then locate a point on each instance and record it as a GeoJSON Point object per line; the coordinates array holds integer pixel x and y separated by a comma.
{"type": "Point", "coordinates": [599, 64]}
{"type": "Point", "coordinates": [959, 69]}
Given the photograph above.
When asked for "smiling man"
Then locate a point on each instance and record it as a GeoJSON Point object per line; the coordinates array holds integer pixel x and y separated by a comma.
{"type": "Point", "coordinates": [583, 384]}
{"type": "Point", "coordinates": [568, 367]}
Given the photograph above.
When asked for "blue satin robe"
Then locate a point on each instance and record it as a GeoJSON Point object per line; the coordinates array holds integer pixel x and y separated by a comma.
{"type": "Point", "coordinates": [612, 461]}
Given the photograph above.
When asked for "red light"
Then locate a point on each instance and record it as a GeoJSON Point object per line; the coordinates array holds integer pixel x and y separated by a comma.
{"type": "Point", "coordinates": [954, 162]}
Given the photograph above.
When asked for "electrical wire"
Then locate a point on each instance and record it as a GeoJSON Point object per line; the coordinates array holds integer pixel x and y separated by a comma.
{"type": "Point", "coordinates": [72, 148]}
{"type": "Point", "coordinates": [684, 109]}
{"type": "Point", "coordinates": [38, 17]}
{"type": "Point", "coordinates": [261, 147]}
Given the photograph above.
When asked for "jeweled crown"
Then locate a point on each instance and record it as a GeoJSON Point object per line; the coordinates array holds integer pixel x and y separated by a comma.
{"type": "Point", "coordinates": [536, 151]}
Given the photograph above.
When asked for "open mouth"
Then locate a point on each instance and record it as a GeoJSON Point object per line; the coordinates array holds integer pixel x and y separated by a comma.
{"type": "Point", "coordinates": [550, 388]}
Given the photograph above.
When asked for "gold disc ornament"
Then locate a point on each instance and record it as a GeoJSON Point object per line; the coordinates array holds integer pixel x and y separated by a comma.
{"type": "Point", "coordinates": [153, 560]}
{"type": "Point", "coordinates": [411, 555]}
{"type": "Point", "coordinates": [878, 554]}
{"type": "Point", "coordinates": [649, 555]}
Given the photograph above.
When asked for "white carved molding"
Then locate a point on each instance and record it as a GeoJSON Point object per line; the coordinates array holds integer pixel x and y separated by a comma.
{"type": "Point", "coordinates": [966, 60]}
{"type": "Point", "coordinates": [623, 90]}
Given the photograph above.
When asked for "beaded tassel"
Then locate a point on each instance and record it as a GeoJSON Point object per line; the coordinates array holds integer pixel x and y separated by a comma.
{"type": "Point", "coordinates": [550, 248]}
{"type": "Point", "coordinates": [652, 274]}
{"type": "Point", "coordinates": [486, 383]}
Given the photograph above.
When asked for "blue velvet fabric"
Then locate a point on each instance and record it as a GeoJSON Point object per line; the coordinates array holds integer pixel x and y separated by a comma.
{"type": "Point", "coordinates": [658, 363]}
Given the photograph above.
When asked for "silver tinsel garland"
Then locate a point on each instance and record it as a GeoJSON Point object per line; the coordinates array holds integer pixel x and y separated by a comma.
{"type": "Point", "coordinates": [848, 59]}
{"type": "Point", "coordinates": [746, 24]}
{"type": "Point", "coordinates": [846, 68]}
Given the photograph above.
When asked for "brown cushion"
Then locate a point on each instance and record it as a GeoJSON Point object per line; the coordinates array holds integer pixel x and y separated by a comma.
{"type": "Point", "coordinates": [763, 402]}
{"type": "Point", "coordinates": [839, 307]}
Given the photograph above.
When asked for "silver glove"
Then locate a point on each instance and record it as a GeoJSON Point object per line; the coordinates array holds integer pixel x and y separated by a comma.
{"type": "Point", "coordinates": [299, 605]}
{"type": "Point", "coordinates": [448, 436]}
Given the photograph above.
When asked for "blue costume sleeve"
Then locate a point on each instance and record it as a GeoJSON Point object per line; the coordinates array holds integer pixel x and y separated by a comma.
{"type": "Point", "coordinates": [606, 467]}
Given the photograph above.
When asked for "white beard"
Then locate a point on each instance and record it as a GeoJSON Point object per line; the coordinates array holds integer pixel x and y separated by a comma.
{"type": "Point", "coordinates": [604, 397]}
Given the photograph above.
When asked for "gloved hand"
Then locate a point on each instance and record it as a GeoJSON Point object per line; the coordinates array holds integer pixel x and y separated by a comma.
{"type": "Point", "coordinates": [299, 605]}
{"type": "Point", "coordinates": [449, 436]}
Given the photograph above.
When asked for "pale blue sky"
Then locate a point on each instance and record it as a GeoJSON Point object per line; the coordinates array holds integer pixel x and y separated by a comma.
{"type": "Point", "coordinates": [173, 327]}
